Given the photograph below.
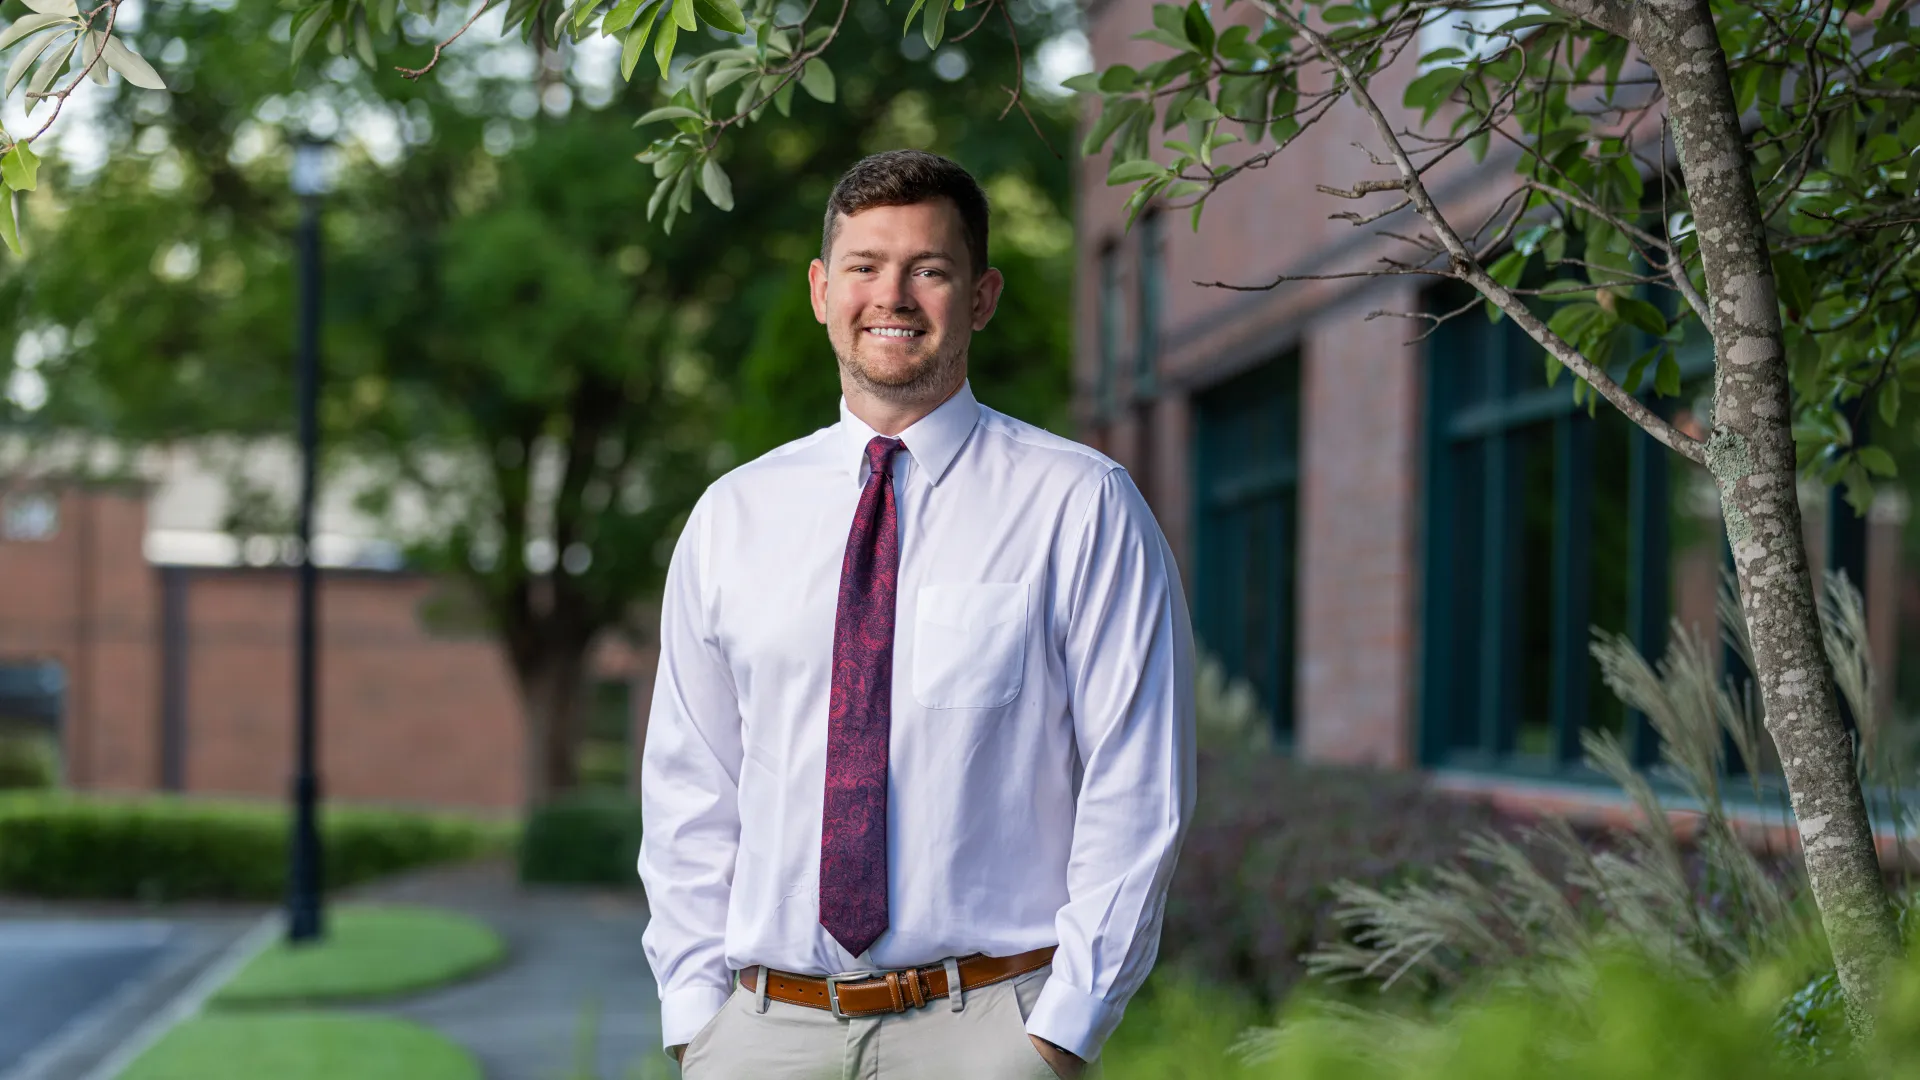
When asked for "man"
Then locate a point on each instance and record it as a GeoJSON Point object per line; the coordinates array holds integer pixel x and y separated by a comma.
{"type": "Point", "coordinates": [923, 719]}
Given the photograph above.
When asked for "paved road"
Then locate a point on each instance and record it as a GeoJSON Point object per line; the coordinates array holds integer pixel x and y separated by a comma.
{"type": "Point", "coordinates": [73, 986]}
{"type": "Point", "coordinates": [52, 973]}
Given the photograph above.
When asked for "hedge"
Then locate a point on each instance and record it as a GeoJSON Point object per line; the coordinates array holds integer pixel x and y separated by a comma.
{"type": "Point", "coordinates": [159, 849]}
{"type": "Point", "coordinates": [585, 838]}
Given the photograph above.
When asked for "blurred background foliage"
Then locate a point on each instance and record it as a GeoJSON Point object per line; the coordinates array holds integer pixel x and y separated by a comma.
{"type": "Point", "coordinates": [524, 382]}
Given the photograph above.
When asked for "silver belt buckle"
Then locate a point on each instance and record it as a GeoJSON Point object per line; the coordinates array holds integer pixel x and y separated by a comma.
{"type": "Point", "coordinates": [833, 990]}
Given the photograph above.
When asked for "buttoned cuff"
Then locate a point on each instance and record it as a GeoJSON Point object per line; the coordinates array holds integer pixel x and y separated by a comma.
{"type": "Point", "coordinates": [1075, 1021]}
{"type": "Point", "coordinates": [684, 1012]}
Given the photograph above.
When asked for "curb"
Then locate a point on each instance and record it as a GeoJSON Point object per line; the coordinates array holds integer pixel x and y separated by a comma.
{"type": "Point", "coordinates": [189, 1000]}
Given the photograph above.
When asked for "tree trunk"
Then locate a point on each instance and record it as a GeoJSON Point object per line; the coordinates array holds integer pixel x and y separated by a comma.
{"type": "Point", "coordinates": [1751, 455]}
{"type": "Point", "coordinates": [553, 697]}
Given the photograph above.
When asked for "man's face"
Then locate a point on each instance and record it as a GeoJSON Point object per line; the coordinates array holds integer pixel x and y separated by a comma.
{"type": "Point", "coordinates": [900, 301]}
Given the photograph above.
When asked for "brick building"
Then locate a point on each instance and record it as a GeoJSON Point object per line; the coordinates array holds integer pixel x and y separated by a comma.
{"type": "Point", "coordinates": [158, 654]}
{"type": "Point", "coordinates": [1401, 545]}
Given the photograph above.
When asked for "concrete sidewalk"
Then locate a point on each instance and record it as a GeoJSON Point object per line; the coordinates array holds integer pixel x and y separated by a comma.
{"type": "Point", "coordinates": [574, 999]}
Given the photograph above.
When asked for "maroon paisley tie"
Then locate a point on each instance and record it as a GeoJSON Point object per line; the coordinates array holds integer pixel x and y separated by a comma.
{"type": "Point", "coordinates": [853, 832]}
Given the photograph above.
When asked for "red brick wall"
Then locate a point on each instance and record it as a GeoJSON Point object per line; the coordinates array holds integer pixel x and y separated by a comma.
{"type": "Point", "coordinates": [406, 717]}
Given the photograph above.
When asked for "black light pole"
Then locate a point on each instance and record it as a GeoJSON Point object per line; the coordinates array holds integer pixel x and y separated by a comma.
{"type": "Point", "coordinates": [304, 917]}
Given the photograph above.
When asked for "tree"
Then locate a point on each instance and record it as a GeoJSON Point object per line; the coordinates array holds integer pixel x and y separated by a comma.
{"type": "Point", "coordinates": [519, 376]}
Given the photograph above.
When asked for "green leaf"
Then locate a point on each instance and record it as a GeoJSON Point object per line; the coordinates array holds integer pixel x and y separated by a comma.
{"type": "Point", "coordinates": [667, 112]}
{"type": "Point", "coordinates": [1343, 13]}
{"type": "Point", "coordinates": [1199, 28]}
{"type": "Point", "coordinates": [1889, 402]}
{"type": "Point", "coordinates": [1641, 314]}
{"type": "Point", "coordinates": [933, 26]}
{"type": "Point", "coordinates": [783, 99]}
{"type": "Point", "coordinates": [1129, 172]}
{"type": "Point", "coordinates": [634, 44]}
{"type": "Point", "coordinates": [23, 60]}
{"type": "Point", "coordinates": [817, 80]}
{"type": "Point", "coordinates": [28, 24]}
{"type": "Point", "coordinates": [1116, 112]}
{"type": "Point", "coordinates": [907, 26]}
{"type": "Point", "coordinates": [683, 18]}
{"type": "Point", "coordinates": [1430, 91]}
{"type": "Point", "coordinates": [714, 182]}
{"type": "Point", "coordinates": [20, 168]}
{"type": "Point", "coordinates": [1877, 461]}
{"type": "Point", "coordinates": [1637, 369]}
{"type": "Point", "coordinates": [1085, 83]}
{"type": "Point", "coordinates": [1175, 41]}
{"type": "Point", "coordinates": [723, 14]}
{"type": "Point", "coordinates": [1796, 291]}
{"type": "Point", "coordinates": [362, 45]}
{"type": "Point", "coordinates": [9, 230]}
{"type": "Point", "coordinates": [1172, 18]}
{"type": "Point", "coordinates": [1666, 378]}
{"type": "Point", "coordinates": [1841, 136]}
{"type": "Point", "coordinates": [621, 16]}
{"type": "Point", "coordinates": [664, 42]}
{"type": "Point", "coordinates": [307, 26]}
{"type": "Point", "coordinates": [1200, 110]}
{"type": "Point", "coordinates": [659, 195]}
{"type": "Point", "coordinates": [1117, 79]}
{"type": "Point", "coordinates": [1507, 268]}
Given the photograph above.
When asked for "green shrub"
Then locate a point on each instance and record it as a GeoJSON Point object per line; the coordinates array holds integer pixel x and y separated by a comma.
{"type": "Point", "coordinates": [26, 763]}
{"type": "Point", "coordinates": [183, 849]}
{"type": "Point", "coordinates": [585, 838]}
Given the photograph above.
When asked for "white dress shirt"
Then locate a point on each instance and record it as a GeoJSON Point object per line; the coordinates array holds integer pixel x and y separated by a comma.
{"type": "Point", "coordinates": [1041, 769]}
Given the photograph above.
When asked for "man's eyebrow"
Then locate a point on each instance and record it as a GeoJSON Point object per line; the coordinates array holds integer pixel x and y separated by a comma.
{"type": "Point", "coordinates": [881, 256]}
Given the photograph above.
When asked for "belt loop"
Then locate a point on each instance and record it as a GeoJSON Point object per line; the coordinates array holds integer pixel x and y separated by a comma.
{"type": "Point", "coordinates": [760, 995]}
{"type": "Point", "coordinates": [953, 983]}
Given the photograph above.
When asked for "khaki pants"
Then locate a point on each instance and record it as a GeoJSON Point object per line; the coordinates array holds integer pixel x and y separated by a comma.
{"type": "Point", "coordinates": [985, 1040]}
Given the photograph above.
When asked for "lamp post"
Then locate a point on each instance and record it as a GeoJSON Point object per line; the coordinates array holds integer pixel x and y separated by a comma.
{"type": "Point", "coordinates": [311, 180]}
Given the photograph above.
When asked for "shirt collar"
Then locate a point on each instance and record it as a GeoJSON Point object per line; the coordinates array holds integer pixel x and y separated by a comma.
{"type": "Point", "coordinates": [933, 441]}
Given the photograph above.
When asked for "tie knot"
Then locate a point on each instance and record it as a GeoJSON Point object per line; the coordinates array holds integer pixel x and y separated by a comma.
{"type": "Point", "coordinates": [880, 454]}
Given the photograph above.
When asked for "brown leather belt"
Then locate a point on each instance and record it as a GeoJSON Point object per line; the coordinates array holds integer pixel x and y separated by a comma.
{"type": "Point", "coordinates": [874, 993]}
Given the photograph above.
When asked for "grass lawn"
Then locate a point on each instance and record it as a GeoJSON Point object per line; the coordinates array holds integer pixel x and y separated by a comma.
{"type": "Point", "coordinates": [369, 952]}
{"type": "Point", "coordinates": [302, 1046]}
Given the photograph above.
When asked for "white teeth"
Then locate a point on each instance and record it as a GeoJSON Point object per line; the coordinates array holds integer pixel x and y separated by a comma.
{"type": "Point", "coordinates": [888, 331]}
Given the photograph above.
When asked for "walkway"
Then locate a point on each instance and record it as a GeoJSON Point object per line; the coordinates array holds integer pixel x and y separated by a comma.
{"type": "Point", "coordinates": [572, 955]}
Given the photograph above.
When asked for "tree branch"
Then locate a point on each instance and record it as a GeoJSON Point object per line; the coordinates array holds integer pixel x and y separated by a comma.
{"type": "Point", "coordinates": [415, 73]}
{"type": "Point", "coordinates": [1466, 268]}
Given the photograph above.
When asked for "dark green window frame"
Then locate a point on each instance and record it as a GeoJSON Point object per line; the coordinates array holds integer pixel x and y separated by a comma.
{"type": "Point", "coordinates": [1246, 476]}
{"type": "Point", "coordinates": [1107, 377]}
{"type": "Point", "coordinates": [1152, 286]}
{"type": "Point", "coordinates": [1485, 401]}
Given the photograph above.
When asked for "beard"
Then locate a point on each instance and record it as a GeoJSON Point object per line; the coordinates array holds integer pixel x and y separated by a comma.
{"type": "Point", "coordinates": [924, 377]}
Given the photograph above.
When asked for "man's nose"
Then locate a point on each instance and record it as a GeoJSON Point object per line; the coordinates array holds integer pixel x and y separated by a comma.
{"type": "Point", "coordinates": [891, 293]}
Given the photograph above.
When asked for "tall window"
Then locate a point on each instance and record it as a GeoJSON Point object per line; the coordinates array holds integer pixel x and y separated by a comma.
{"type": "Point", "coordinates": [1152, 284]}
{"type": "Point", "coordinates": [1543, 523]}
{"type": "Point", "coordinates": [1111, 310]}
{"type": "Point", "coordinates": [1246, 474]}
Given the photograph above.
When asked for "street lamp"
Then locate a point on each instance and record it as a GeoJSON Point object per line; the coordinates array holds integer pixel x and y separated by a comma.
{"type": "Point", "coordinates": [311, 179]}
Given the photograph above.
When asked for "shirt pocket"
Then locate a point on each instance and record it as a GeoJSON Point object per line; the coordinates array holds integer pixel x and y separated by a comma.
{"type": "Point", "coordinates": [969, 645]}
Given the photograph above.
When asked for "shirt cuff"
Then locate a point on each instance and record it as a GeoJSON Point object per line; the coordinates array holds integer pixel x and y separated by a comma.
{"type": "Point", "coordinates": [1073, 1020]}
{"type": "Point", "coordinates": [684, 1012]}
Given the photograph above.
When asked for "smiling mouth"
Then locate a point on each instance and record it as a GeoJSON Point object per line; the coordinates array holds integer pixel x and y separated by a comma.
{"type": "Point", "coordinates": [893, 333]}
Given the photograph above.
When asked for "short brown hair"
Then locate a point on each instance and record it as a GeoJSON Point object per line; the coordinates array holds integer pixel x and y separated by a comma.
{"type": "Point", "coordinates": [904, 178]}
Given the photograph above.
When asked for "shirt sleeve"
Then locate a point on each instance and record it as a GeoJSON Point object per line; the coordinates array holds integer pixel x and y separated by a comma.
{"type": "Point", "coordinates": [689, 804]}
{"type": "Point", "coordinates": [1129, 669]}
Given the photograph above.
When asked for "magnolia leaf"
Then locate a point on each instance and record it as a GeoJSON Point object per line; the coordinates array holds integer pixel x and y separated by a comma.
{"type": "Point", "coordinates": [135, 69]}
{"type": "Point", "coordinates": [723, 14]}
{"type": "Point", "coordinates": [713, 181]}
{"type": "Point", "coordinates": [934, 26]}
{"type": "Point", "coordinates": [667, 112]}
{"type": "Point", "coordinates": [29, 24]}
{"type": "Point", "coordinates": [1128, 172]}
{"type": "Point", "coordinates": [620, 17]}
{"type": "Point", "coordinates": [1877, 461]}
{"type": "Point", "coordinates": [9, 231]}
{"type": "Point", "coordinates": [817, 80]}
{"type": "Point", "coordinates": [20, 168]}
{"type": "Point", "coordinates": [23, 61]}
{"type": "Point", "coordinates": [50, 69]}
{"type": "Point", "coordinates": [663, 44]}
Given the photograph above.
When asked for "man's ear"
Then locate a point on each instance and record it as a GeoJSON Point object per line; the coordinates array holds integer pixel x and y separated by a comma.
{"type": "Point", "coordinates": [817, 287]}
{"type": "Point", "coordinates": [986, 297]}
